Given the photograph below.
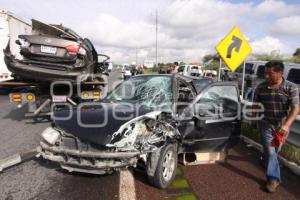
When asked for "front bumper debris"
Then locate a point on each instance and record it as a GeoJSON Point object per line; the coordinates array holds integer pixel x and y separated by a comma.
{"type": "Point", "coordinates": [88, 161]}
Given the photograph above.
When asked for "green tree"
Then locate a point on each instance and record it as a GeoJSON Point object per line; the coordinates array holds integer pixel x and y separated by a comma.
{"type": "Point", "coordinates": [213, 57]}
{"type": "Point", "coordinates": [297, 53]}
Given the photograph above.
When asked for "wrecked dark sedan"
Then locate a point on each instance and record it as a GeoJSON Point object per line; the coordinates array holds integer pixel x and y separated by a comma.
{"type": "Point", "coordinates": [146, 121]}
{"type": "Point", "coordinates": [50, 53]}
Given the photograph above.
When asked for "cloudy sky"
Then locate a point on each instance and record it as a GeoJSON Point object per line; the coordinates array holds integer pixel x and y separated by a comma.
{"type": "Point", "coordinates": [187, 29]}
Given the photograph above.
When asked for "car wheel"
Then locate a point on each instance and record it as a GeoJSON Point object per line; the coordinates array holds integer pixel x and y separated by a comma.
{"type": "Point", "coordinates": [166, 167]}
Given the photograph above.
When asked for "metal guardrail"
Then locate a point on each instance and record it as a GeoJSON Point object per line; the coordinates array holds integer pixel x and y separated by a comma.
{"type": "Point", "coordinates": [294, 137]}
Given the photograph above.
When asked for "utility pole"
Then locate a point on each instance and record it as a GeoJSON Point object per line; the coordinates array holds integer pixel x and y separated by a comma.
{"type": "Point", "coordinates": [156, 27]}
{"type": "Point", "coordinates": [136, 57]}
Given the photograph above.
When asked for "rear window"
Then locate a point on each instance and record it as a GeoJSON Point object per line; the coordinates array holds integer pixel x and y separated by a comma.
{"type": "Point", "coordinates": [294, 76]}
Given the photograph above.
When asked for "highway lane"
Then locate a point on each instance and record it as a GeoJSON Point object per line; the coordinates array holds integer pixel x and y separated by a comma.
{"type": "Point", "coordinates": [38, 179]}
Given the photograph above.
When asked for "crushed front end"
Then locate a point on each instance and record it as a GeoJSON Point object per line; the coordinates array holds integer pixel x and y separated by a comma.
{"type": "Point", "coordinates": [133, 142]}
{"type": "Point", "coordinates": [74, 154]}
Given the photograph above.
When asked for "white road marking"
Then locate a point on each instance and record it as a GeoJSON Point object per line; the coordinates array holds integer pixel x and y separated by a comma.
{"type": "Point", "coordinates": [127, 186]}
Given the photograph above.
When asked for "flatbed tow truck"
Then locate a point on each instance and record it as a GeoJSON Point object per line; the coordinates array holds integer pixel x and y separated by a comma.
{"type": "Point", "coordinates": [42, 98]}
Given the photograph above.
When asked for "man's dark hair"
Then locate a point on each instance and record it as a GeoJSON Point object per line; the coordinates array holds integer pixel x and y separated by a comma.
{"type": "Point", "coordinates": [277, 65]}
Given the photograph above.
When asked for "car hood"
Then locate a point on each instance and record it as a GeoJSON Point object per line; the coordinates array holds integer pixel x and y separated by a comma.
{"type": "Point", "coordinates": [96, 124]}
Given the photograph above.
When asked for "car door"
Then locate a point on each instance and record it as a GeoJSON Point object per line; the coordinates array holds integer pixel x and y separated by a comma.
{"type": "Point", "coordinates": [212, 121]}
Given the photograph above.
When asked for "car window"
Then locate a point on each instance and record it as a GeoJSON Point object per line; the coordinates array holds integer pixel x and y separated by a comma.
{"type": "Point", "coordinates": [218, 101]}
{"type": "Point", "coordinates": [150, 91]}
{"type": "Point", "coordinates": [185, 96]}
{"type": "Point", "coordinates": [294, 76]}
{"type": "Point", "coordinates": [248, 68]}
{"type": "Point", "coordinates": [199, 84]}
{"type": "Point", "coordinates": [260, 71]}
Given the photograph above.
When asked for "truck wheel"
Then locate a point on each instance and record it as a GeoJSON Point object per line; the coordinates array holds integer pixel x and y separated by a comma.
{"type": "Point", "coordinates": [166, 167]}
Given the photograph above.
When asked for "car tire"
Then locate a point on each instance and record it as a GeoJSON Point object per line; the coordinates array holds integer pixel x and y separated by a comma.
{"type": "Point", "coordinates": [166, 167]}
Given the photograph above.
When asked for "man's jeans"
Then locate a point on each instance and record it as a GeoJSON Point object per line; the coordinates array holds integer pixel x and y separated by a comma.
{"type": "Point", "coordinates": [269, 152]}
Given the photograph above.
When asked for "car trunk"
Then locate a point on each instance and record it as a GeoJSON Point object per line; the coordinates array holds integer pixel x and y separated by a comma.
{"type": "Point", "coordinates": [49, 43]}
{"type": "Point", "coordinates": [47, 48]}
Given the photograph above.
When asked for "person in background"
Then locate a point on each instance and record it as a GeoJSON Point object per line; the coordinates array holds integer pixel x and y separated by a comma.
{"type": "Point", "coordinates": [170, 68]}
{"type": "Point", "coordinates": [161, 71]}
{"type": "Point", "coordinates": [225, 76]}
{"type": "Point", "coordinates": [140, 69]}
{"type": "Point", "coordinates": [250, 86]}
{"type": "Point", "coordinates": [280, 100]}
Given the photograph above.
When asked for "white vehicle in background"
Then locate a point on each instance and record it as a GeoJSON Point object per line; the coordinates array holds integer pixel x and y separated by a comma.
{"type": "Point", "coordinates": [210, 73]}
{"type": "Point", "coordinates": [195, 70]}
{"type": "Point", "coordinates": [126, 71]}
{"type": "Point", "coordinates": [10, 27]}
{"type": "Point", "coordinates": [190, 70]}
{"type": "Point", "coordinates": [110, 67]}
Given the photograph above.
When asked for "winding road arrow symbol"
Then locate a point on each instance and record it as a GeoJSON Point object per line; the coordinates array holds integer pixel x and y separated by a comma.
{"type": "Point", "coordinates": [236, 44]}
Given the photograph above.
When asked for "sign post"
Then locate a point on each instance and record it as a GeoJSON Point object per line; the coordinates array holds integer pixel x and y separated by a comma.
{"type": "Point", "coordinates": [243, 82]}
{"type": "Point", "coordinates": [219, 75]}
{"type": "Point", "coordinates": [234, 49]}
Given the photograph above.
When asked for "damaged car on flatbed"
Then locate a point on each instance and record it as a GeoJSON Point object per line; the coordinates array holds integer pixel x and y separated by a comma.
{"type": "Point", "coordinates": [146, 121]}
{"type": "Point", "coordinates": [52, 53]}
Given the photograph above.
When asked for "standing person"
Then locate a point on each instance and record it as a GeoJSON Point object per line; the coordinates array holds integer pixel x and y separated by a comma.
{"type": "Point", "coordinates": [280, 99]}
{"type": "Point", "coordinates": [225, 76]}
{"type": "Point", "coordinates": [250, 85]}
{"type": "Point", "coordinates": [169, 70]}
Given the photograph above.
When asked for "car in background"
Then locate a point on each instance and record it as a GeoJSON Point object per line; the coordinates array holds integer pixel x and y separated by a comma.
{"type": "Point", "coordinates": [190, 70]}
{"type": "Point", "coordinates": [50, 53]}
{"type": "Point", "coordinates": [146, 121]}
{"type": "Point", "coordinates": [256, 69]}
{"type": "Point", "coordinates": [110, 66]}
{"type": "Point", "coordinates": [210, 73]}
{"type": "Point", "coordinates": [128, 71]}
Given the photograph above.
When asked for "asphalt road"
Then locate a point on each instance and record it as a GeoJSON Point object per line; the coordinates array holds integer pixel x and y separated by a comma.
{"type": "Point", "coordinates": [241, 177]}
{"type": "Point", "coordinates": [38, 179]}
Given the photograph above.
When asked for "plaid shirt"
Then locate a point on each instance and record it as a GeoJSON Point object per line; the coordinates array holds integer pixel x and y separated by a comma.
{"type": "Point", "coordinates": [277, 102]}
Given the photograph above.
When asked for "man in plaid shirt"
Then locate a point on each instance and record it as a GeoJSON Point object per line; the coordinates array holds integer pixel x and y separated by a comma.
{"type": "Point", "coordinates": [280, 100]}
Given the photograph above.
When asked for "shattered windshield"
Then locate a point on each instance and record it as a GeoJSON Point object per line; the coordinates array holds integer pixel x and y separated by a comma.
{"type": "Point", "coordinates": [154, 92]}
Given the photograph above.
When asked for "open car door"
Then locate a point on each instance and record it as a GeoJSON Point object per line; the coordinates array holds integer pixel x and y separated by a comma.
{"type": "Point", "coordinates": [212, 122]}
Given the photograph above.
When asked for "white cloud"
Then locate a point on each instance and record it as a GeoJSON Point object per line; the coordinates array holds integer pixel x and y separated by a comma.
{"type": "Point", "coordinates": [201, 19]}
{"type": "Point", "coordinates": [108, 30]}
{"type": "Point", "coordinates": [189, 29]}
{"type": "Point", "coordinates": [268, 44]}
{"type": "Point", "coordinates": [287, 26]}
{"type": "Point", "coordinates": [274, 8]}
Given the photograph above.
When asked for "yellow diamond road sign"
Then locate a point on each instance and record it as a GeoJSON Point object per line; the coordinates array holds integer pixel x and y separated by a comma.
{"type": "Point", "coordinates": [234, 49]}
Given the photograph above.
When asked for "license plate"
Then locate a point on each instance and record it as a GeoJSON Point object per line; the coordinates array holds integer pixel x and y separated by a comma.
{"type": "Point", "coordinates": [59, 99]}
{"type": "Point", "coordinates": [47, 49]}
